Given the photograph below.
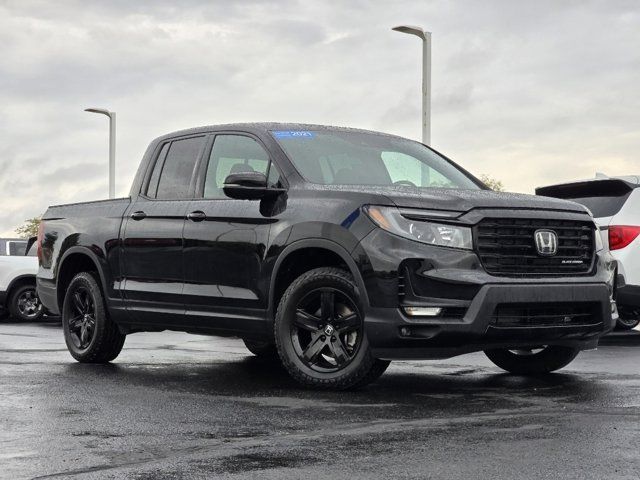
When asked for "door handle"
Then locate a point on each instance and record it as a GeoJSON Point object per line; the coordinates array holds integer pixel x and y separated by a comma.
{"type": "Point", "coordinates": [197, 216]}
{"type": "Point", "coordinates": [139, 215]}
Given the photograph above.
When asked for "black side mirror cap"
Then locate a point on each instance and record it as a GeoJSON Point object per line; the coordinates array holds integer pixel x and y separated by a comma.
{"type": "Point", "coordinates": [248, 186]}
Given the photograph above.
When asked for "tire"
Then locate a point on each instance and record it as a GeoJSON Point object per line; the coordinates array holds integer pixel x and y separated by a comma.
{"type": "Point", "coordinates": [627, 323]}
{"type": "Point", "coordinates": [627, 319]}
{"type": "Point", "coordinates": [91, 336]}
{"type": "Point", "coordinates": [327, 349]}
{"type": "Point", "coordinates": [24, 304]}
{"type": "Point", "coordinates": [530, 362]}
{"type": "Point", "coordinates": [265, 350]}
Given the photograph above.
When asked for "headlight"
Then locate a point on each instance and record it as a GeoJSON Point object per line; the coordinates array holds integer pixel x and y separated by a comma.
{"type": "Point", "coordinates": [440, 234]}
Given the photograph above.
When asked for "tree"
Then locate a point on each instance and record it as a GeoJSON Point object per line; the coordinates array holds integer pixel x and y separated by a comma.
{"type": "Point", "coordinates": [29, 228]}
{"type": "Point", "coordinates": [492, 183]}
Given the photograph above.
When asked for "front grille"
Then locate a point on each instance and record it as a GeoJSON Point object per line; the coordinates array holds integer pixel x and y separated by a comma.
{"type": "Point", "coordinates": [506, 246]}
{"type": "Point", "coordinates": [514, 315]}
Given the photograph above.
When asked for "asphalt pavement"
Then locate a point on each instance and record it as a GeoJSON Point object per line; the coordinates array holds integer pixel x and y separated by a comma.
{"type": "Point", "coordinates": [179, 406]}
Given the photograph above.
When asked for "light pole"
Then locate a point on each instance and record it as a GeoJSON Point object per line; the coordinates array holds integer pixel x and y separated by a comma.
{"type": "Point", "coordinates": [426, 77]}
{"type": "Point", "coordinates": [112, 147]}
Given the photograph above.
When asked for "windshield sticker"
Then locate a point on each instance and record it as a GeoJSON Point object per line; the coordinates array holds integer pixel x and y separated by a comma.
{"type": "Point", "coordinates": [293, 134]}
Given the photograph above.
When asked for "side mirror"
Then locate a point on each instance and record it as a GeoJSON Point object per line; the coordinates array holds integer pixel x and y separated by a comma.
{"type": "Point", "coordinates": [246, 186]}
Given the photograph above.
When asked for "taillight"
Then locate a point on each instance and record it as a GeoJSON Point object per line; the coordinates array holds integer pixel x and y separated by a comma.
{"type": "Point", "coordinates": [40, 239]}
{"type": "Point", "coordinates": [622, 235]}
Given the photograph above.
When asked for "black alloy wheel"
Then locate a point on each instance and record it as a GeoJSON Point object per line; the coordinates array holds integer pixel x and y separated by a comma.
{"type": "Point", "coordinates": [25, 305]}
{"type": "Point", "coordinates": [90, 334]}
{"type": "Point", "coordinates": [327, 330]}
{"type": "Point", "coordinates": [320, 334]}
{"type": "Point", "coordinates": [82, 324]}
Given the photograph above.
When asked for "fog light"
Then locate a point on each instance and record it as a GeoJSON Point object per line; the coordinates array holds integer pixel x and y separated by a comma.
{"type": "Point", "coordinates": [422, 311]}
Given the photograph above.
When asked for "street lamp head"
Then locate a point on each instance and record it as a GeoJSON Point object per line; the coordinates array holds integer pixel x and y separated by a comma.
{"type": "Point", "coordinates": [411, 30]}
{"type": "Point", "coordinates": [103, 111]}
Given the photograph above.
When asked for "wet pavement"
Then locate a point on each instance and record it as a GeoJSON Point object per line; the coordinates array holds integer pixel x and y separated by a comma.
{"type": "Point", "coordinates": [183, 406]}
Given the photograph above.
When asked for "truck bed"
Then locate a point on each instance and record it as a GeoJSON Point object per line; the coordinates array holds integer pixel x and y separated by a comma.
{"type": "Point", "coordinates": [93, 227]}
{"type": "Point", "coordinates": [103, 208]}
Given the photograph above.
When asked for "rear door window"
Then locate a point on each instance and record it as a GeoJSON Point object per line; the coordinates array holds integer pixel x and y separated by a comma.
{"type": "Point", "coordinates": [174, 173]}
{"type": "Point", "coordinates": [152, 188]}
{"type": "Point", "coordinates": [17, 248]}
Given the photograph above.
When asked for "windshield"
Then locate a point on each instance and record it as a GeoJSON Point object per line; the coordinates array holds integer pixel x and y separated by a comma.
{"type": "Point", "coordinates": [335, 157]}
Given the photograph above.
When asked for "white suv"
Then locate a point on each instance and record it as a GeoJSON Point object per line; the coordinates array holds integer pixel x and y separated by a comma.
{"type": "Point", "coordinates": [615, 204]}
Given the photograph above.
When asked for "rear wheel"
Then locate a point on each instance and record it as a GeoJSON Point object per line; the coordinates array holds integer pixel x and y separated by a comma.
{"type": "Point", "coordinates": [266, 350]}
{"type": "Point", "coordinates": [319, 332]}
{"type": "Point", "coordinates": [24, 304]}
{"type": "Point", "coordinates": [532, 361]}
{"type": "Point", "coordinates": [628, 319]}
{"type": "Point", "coordinates": [90, 334]}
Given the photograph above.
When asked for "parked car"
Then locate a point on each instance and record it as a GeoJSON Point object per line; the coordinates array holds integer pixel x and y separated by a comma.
{"type": "Point", "coordinates": [18, 272]}
{"type": "Point", "coordinates": [340, 249]}
{"type": "Point", "coordinates": [615, 204]}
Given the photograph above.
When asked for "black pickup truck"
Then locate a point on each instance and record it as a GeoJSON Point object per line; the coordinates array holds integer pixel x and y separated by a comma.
{"type": "Point", "coordinates": [336, 250]}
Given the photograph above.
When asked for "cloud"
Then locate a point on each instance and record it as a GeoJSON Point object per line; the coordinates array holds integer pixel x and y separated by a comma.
{"type": "Point", "coordinates": [529, 92]}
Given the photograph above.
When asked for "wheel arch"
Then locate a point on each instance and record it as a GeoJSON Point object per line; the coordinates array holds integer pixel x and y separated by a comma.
{"type": "Point", "coordinates": [74, 261]}
{"type": "Point", "coordinates": [17, 282]}
{"type": "Point", "coordinates": [300, 247]}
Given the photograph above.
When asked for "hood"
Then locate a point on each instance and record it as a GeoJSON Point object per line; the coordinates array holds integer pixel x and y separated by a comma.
{"type": "Point", "coordinates": [464, 200]}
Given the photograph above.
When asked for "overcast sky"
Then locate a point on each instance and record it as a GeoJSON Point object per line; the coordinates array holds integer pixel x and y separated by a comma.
{"type": "Point", "coordinates": [530, 92]}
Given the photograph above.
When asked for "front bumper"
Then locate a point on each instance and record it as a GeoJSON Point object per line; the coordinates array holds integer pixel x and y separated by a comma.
{"type": "Point", "coordinates": [402, 273]}
{"type": "Point", "coordinates": [393, 335]}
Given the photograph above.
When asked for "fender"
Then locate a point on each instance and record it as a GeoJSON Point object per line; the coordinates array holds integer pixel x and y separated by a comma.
{"type": "Point", "coordinates": [89, 253]}
{"type": "Point", "coordinates": [336, 248]}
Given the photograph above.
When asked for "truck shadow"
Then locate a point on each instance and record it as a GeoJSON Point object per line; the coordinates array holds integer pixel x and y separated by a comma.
{"type": "Point", "coordinates": [254, 381]}
{"type": "Point", "coordinates": [622, 339]}
{"type": "Point", "coordinates": [45, 321]}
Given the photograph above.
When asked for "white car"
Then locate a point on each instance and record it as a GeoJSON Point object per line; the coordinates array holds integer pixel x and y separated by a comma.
{"type": "Point", "coordinates": [615, 204]}
{"type": "Point", "coordinates": [18, 283]}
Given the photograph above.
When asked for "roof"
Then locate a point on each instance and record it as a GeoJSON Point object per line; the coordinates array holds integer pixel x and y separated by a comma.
{"type": "Point", "coordinates": [267, 126]}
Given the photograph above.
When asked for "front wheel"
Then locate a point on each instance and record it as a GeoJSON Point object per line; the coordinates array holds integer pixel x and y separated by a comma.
{"type": "Point", "coordinates": [90, 334]}
{"type": "Point", "coordinates": [532, 361]}
{"type": "Point", "coordinates": [319, 332]}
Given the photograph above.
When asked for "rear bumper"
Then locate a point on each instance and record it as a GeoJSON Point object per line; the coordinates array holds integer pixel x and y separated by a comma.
{"type": "Point", "coordinates": [393, 335]}
{"type": "Point", "coordinates": [47, 294]}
